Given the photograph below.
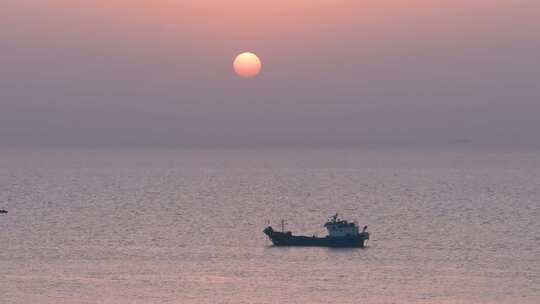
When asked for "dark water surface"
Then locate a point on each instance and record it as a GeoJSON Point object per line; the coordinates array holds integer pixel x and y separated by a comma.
{"type": "Point", "coordinates": [185, 227]}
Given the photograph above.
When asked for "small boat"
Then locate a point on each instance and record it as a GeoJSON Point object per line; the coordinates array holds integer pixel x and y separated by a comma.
{"type": "Point", "coordinates": [341, 233]}
{"type": "Point", "coordinates": [3, 211]}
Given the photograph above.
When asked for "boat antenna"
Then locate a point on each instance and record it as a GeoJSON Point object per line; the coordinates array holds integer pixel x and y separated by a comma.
{"type": "Point", "coordinates": [282, 225]}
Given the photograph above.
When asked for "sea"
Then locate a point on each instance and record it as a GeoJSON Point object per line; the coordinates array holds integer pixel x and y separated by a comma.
{"type": "Point", "coordinates": [185, 226]}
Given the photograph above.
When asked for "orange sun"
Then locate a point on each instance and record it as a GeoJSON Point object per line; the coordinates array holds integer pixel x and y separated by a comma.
{"type": "Point", "coordinates": [247, 65]}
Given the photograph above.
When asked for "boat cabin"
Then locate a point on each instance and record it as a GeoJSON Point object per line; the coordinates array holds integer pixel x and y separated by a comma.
{"type": "Point", "coordinates": [341, 228]}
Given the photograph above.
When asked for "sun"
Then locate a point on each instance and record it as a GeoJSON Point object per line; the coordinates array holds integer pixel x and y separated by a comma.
{"type": "Point", "coordinates": [247, 65]}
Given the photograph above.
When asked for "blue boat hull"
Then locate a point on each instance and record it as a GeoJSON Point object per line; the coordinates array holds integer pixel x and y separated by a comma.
{"type": "Point", "coordinates": [287, 239]}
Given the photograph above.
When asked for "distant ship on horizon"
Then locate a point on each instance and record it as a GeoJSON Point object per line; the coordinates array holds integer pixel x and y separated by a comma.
{"type": "Point", "coordinates": [341, 233]}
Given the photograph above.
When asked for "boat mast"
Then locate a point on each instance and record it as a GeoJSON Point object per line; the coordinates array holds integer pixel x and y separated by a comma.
{"type": "Point", "coordinates": [283, 226]}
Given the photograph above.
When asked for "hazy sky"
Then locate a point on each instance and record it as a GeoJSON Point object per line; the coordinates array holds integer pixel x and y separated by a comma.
{"type": "Point", "coordinates": [368, 73]}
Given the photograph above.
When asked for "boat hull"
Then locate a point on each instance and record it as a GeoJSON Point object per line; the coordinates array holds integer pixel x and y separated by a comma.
{"type": "Point", "coordinates": [287, 239]}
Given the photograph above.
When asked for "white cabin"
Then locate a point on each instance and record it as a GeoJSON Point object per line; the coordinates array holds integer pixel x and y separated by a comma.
{"type": "Point", "coordinates": [341, 228]}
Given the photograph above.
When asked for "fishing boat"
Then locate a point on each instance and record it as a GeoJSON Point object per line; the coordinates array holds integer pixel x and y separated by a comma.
{"type": "Point", "coordinates": [341, 233]}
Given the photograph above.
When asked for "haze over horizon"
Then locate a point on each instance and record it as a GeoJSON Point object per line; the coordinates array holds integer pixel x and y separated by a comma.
{"type": "Point", "coordinates": [399, 74]}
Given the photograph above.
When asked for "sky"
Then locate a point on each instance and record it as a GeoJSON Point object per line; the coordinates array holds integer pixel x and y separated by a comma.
{"type": "Point", "coordinates": [415, 74]}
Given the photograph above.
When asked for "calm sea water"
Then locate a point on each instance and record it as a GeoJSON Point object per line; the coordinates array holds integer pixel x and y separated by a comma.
{"type": "Point", "coordinates": [185, 227]}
